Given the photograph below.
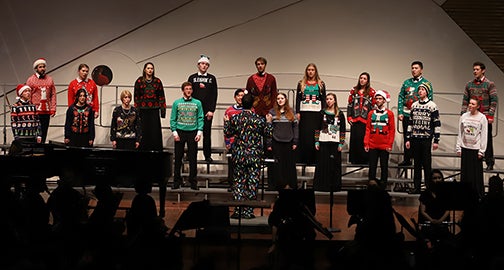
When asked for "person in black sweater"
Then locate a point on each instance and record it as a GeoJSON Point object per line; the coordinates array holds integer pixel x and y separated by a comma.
{"type": "Point", "coordinates": [204, 87]}
{"type": "Point", "coordinates": [79, 123]}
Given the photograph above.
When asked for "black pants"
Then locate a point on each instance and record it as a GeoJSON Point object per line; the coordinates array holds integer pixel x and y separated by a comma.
{"type": "Point", "coordinates": [471, 170]}
{"type": "Point", "coordinates": [207, 135]}
{"type": "Point", "coordinates": [422, 156]}
{"type": "Point", "coordinates": [383, 156]}
{"type": "Point", "coordinates": [408, 155]}
{"type": "Point", "coordinates": [489, 153]}
{"type": "Point", "coordinates": [44, 125]}
{"type": "Point", "coordinates": [192, 151]}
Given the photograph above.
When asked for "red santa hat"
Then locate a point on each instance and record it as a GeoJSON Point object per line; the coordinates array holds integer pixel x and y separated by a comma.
{"type": "Point", "coordinates": [384, 94]}
{"type": "Point", "coordinates": [38, 62]}
{"type": "Point", "coordinates": [20, 89]}
{"type": "Point", "coordinates": [204, 58]}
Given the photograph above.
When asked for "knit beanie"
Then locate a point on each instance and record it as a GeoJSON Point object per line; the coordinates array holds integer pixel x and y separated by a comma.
{"type": "Point", "coordinates": [425, 86]}
{"type": "Point", "coordinates": [204, 58]}
{"type": "Point", "coordinates": [38, 62]}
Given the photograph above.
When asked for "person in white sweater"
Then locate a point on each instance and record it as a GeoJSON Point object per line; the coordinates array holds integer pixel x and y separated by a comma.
{"type": "Point", "coordinates": [471, 146]}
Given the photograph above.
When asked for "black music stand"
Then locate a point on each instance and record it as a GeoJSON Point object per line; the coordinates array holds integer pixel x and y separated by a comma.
{"type": "Point", "coordinates": [265, 164]}
{"type": "Point", "coordinates": [331, 204]}
{"type": "Point", "coordinates": [299, 205]}
{"type": "Point", "coordinates": [456, 196]}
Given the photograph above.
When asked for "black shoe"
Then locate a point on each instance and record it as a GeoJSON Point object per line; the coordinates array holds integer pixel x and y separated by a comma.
{"type": "Point", "coordinates": [176, 185]}
{"type": "Point", "coordinates": [405, 163]}
{"type": "Point", "coordinates": [194, 187]}
{"type": "Point", "coordinates": [490, 167]}
{"type": "Point", "coordinates": [209, 160]}
{"type": "Point", "coordinates": [251, 216]}
{"type": "Point", "coordinates": [414, 191]}
{"type": "Point", "coordinates": [235, 216]}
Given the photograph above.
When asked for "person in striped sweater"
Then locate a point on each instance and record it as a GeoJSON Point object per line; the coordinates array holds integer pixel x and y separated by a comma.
{"type": "Point", "coordinates": [24, 119]}
{"type": "Point", "coordinates": [485, 91]}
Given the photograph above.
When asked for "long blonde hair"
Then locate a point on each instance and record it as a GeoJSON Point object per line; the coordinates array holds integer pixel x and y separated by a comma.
{"type": "Point", "coordinates": [303, 82]}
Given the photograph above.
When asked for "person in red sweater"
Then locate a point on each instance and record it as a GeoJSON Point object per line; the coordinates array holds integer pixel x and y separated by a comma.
{"type": "Point", "coordinates": [83, 82]}
{"type": "Point", "coordinates": [43, 94]}
{"type": "Point", "coordinates": [263, 88]}
{"type": "Point", "coordinates": [379, 138]}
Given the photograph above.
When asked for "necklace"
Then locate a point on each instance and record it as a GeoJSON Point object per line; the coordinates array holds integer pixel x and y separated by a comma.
{"type": "Point", "coordinates": [126, 111]}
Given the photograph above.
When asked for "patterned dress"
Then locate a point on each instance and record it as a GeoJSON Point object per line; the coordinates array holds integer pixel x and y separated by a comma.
{"type": "Point", "coordinates": [248, 129]}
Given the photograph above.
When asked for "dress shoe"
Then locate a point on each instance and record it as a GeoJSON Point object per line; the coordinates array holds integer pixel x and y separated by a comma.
{"type": "Point", "coordinates": [414, 191]}
{"type": "Point", "coordinates": [405, 163]}
{"type": "Point", "coordinates": [235, 216]}
{"type": "Point", "coordinates": [490, 167]}
{"type": "Point", "coordinates": [176, 185]}
{"type": "Point", "coordinates": [209, 160]}
{"type": "Point", "coordinates": [194, 187]}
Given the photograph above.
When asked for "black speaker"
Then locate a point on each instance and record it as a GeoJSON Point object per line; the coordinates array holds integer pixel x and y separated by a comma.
{"type": "Point", "coordinates": [209, 221]}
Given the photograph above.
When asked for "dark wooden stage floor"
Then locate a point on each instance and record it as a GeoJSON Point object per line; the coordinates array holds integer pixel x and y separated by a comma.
{"type": "Point", "coordinates": [247, 247]}
{"type": "Point", "coordinates": [256, 236]}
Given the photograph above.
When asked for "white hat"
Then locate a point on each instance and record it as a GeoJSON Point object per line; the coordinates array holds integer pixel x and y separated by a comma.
{"type": "Point", "coordinates": [384, 94]}
{"type": "Point", "coordinates": [20, 89]}
{"type": "Point", "coordinates": [204, 58]}
{"type": "Point", "coordinates": [38, 62]}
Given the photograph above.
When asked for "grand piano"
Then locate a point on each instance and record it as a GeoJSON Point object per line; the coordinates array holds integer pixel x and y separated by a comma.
{"type": "Point", "coordinates": [83, 166]}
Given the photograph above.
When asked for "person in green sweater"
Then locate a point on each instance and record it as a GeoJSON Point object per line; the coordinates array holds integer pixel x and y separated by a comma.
{"type": "Point", "coordinates": [407, 96]}
{"type": "Point", "coordinates": [186, 123]}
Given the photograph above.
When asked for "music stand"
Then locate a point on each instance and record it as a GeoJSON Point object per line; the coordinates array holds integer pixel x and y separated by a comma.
{"type": "Point", "coordinates": [331, 204]}
{"type": "Point", "coordinates": [299, 204]}
{"type": "Point", "coordinates": [456, 196]}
